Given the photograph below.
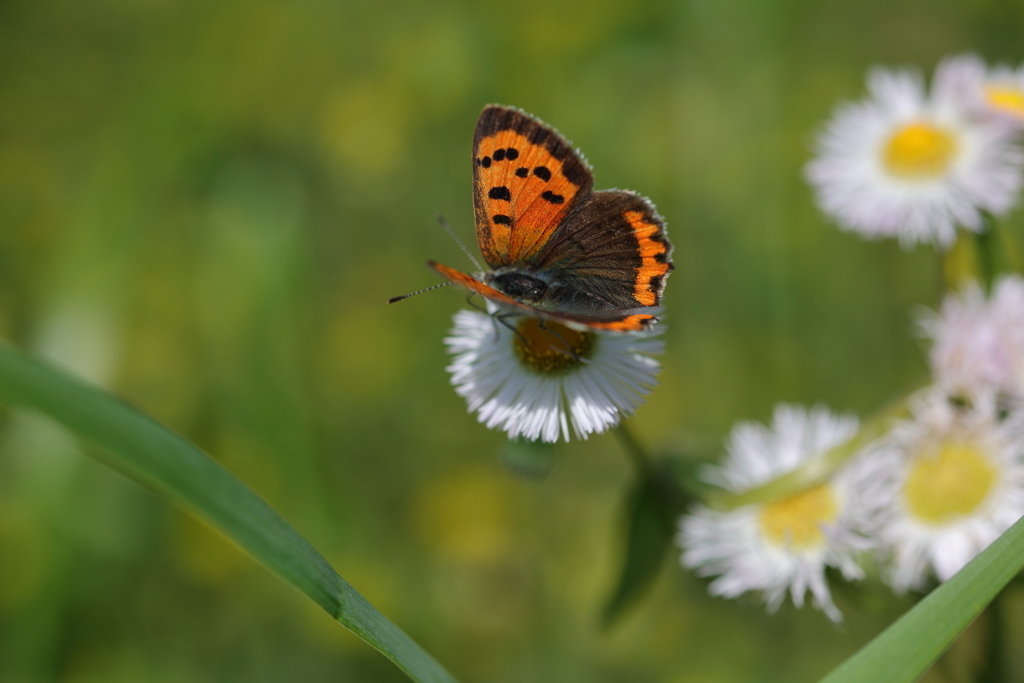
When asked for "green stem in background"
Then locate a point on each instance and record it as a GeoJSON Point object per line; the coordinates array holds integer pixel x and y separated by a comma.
{"type": "Point", "coordinates": [961, 264]}
{"type": "Point", "coordinates": [979, 256]}
{"type": "Point", "coordinates": [1011, 254]}
{"type": "Point", "coordinates": [986, 244]}
{"type": "Point", "coordinates": [632, 446]}
{"type": "Point", "coordinates": [814, 471]}
{"type": "Point", "coordinates": [653, 506]}
{"type": "Point", "coordinates": [154, 456]}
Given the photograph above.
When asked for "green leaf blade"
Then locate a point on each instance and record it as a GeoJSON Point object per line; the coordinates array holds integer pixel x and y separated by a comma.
{"type": "Point", "coordinates": [905, 650]}
{"type": "Point", "coordinates": [153, 455]}
{"type": "Point", "coordinates": [652, 511]}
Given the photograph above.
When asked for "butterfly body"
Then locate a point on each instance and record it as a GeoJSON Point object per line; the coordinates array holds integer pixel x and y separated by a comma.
{"type": "Point", "coordinates": [523, 287]}
{"type": "Point", "coordinates": [556, 249]}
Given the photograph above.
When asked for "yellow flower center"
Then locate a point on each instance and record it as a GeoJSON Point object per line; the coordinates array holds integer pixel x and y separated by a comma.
{"type": "Point", "coordinates": [552, 348]}
{"type": "Point", "coordinates": [948, 483]}
{"type": "Point", "coordinates": [1006, 99]}
{"type": "Point", "coordinates": [919, 150]}
{"type": "Point", "coordinates": [795, 521]}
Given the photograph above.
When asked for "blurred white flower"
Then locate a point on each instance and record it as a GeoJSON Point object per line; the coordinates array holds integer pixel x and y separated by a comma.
{"type": "Point", "coordinates": [954, 482]}
{"type": "Point", "coordinates": [914, 165]}
{"type": "Point", "coordinates": [997, 92]}
{"type": "Point", "coordinates": [1004, 93]}
{"type": "Point", "coordinates": [535, 382]}
{"type": "Point", "coordinates": [978, 342]}
{"type": "Point", "coordinates": [785, 544]}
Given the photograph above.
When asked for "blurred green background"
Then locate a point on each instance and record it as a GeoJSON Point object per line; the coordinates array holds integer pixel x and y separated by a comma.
{"type": "Point", "coordinates": [203, 207]}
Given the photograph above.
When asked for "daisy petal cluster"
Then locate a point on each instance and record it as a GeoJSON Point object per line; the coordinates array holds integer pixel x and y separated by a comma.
{"type": "Point", "coordinates": [784, 545]}
{"type": "Point", "coordinates": [952, 479]}
{"type": "Point", "coordinates": [947, 478]}
{"type": "Point", "coordinates": [915, 163]}
{"type": "Point", "coordinates": [996, 92]}
{"type": "Point", "coordinates": [978, 340]}
{"type": "Point", "coordinates": [1003, 90]}
{"type": "Point", "coordinates": [539, 379]}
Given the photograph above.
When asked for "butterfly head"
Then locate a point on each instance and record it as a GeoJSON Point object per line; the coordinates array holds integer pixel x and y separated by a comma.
{"type": "Point", "coordinates": [523, 288]}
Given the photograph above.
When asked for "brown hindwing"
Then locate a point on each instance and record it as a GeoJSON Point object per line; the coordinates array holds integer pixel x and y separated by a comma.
{"type": "Point", "coordinates": [526, 179]}
{"type": "Point", "coordinates": [610, 258]}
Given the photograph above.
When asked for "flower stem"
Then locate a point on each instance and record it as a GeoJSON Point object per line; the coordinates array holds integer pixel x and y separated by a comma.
{"type": "Point", "coordinates": [1011, 253]}
{"type": "Point", "coordinates": [633, 448]}
{"type": "Point", "coordinates": [985, 243]}
{"type": "Point", "coordinates": [961, 264]}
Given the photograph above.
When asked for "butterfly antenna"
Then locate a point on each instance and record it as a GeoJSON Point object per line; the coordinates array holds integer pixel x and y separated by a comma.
{"type": "Point", "coordinates": [448, 229]}
{"type": "Point", "coordinates": [406, 296]}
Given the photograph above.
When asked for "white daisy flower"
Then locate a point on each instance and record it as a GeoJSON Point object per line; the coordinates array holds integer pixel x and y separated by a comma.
{"type": "Point", "coordinates": [1004, 93]}
{"type": "Point", "coordinates": [785, 544]}
{"type": "Point", "coordinates": [914, 165]}
{"type": "Point", "coordinates": [535, 382]}
{"type": "Point", "coordinates": [955, 483]}
{"type": "Point", "coordinates": [996, 91]}
{"type": "Point", "coordinates": [977, 341]}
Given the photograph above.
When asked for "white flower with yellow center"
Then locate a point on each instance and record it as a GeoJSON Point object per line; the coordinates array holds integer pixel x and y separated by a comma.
{"type": "Point", "coordinates": [978, 341]}
{"type": "Point", "coordinates": [913, 165]}
{"type": "Point", "coordinates": [997, 91]}
{"type": "Point", "coordinates": [535, 380]}
{"type": "Point", "coordinates": [785, 544]}
{"type": "Point", "coordinates": [1004, 93]}
{"type": "Point", "coordinates": [956, 482]}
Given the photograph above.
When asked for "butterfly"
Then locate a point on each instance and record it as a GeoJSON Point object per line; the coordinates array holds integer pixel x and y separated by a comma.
{"type": "Point", "coordinates": [558, 250]}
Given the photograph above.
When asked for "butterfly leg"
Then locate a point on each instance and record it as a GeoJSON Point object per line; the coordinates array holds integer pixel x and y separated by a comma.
{"type": "Point", "coordinates": [471, 304]}
{"type": "Point", "coordinates": [562, 339]}
{"type": "Point", "coordinates": [494, 316]}
{"type": "Point", "coordinates": [503, 319]}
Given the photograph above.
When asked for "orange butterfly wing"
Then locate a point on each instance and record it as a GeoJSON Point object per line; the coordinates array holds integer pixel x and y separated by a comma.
{"type": "Point", "coordinates": [526, 180]}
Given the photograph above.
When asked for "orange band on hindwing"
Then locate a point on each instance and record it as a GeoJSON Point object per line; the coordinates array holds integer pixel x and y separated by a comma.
{"type": "Point", "coordinates": [654, 263]}
{"type": "Point", "coordinates": [631, 323]}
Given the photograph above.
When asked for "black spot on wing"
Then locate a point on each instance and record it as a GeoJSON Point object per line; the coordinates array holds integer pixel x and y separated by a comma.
{"type": "Point", "coordinates": [543, 173]}
{"type": "Point", "coordinates": [500, 192]}
{"type": "Point", "coordinates": [501, 220]}
{"type": "Point", "coordinates": [522, 171]}
{"type": "Point", "coordinates": [511, 153]}
{"type": "Point", "coordinates": [655, 284]}
{"type": "Point", "coordinates": [552, 197]}
{"type": "Point", "coordinates": [499, 155]}
{"type": "Point", "coordinates": [661, 257]}
{"type": "Point", "coordinates": [486, 162]}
